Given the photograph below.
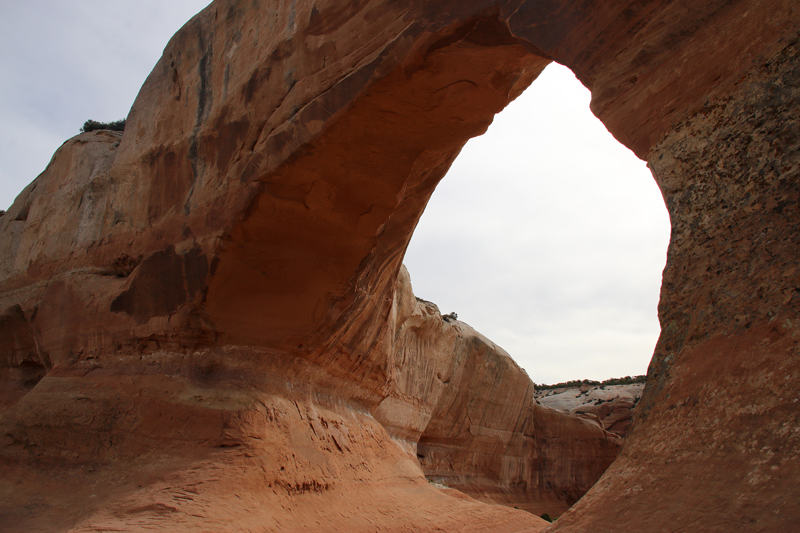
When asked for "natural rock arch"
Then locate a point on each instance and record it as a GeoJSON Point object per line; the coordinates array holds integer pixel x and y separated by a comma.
{"type": "Point", "coordinates": [278, 157]}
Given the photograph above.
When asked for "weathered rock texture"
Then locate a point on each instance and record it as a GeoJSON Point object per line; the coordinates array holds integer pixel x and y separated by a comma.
{"type": "Point", "coordinates": [204, 295]}
{"type": "Point", "coordinates": [613, 405]}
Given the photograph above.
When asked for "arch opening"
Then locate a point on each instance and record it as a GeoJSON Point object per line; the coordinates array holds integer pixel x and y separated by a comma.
{"type": "Point", "coordinates": [312, 268]}
{"type": "Point", "coordinates": [549, 237]}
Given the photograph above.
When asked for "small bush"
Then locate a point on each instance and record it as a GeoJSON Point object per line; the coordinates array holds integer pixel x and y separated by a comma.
{"type": "Point", "coordinates": [627, 380]}
{"type": "Point", "coordinates": [546, 516]}
{"type": "Point", "coordinates": [91, 125]}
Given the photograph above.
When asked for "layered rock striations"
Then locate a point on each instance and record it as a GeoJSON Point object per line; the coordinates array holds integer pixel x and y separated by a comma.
{"type": "Point", "coordinates": [211, 297]}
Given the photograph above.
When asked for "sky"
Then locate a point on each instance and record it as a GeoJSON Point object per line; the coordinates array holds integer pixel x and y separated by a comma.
{"type": "Point", "coordinates": [547, 235]}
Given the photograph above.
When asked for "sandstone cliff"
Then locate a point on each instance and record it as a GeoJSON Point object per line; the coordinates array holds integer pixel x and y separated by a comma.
{"type": "Point", "coordinates": [211, 301]}
{"type": "Point", "coordinates": [470, 412]}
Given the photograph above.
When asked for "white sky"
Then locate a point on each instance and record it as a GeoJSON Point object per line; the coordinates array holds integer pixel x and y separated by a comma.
{"type": "Point", "coordinates": [547, 235]}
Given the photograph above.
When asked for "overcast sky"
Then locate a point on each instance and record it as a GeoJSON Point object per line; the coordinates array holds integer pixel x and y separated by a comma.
{"type": "Point", "coordinates": [547, 235]}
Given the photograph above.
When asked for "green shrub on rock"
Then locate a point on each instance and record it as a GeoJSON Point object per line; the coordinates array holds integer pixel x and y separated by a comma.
{"type": "Point", "coordinates": [92, 125]}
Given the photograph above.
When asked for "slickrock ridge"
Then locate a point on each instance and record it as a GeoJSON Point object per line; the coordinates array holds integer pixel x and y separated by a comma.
{"type": "Point", "coordinates": [613, 405]}
{"type": "Point", "coordinates": [211, 298]}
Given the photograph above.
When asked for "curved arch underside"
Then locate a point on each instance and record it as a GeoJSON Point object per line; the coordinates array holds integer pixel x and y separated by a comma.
{"type": "Point", "coordinates": [250, 227]}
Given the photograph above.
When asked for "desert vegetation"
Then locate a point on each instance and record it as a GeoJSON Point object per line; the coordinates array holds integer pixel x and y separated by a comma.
{"type": "Point", "coordinates": [627, 380]}
{"type": "Point", "coordinates": [92, 125]}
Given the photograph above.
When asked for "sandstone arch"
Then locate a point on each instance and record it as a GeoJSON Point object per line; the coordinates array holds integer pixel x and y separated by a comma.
{"type": "Point", "coordinates": [253, 219]}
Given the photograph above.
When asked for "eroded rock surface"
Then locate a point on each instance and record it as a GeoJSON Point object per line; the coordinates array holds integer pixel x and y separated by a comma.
{"type": "Point", "coordinates": [201, 293]}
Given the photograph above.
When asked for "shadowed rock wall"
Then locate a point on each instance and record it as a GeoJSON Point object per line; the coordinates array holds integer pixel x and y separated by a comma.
{"type": "Point", "coordinates": [246, 233]}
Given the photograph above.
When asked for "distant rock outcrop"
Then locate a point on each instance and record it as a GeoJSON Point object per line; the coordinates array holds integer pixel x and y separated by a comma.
{"type": "Point", "coordinates": [613, 405]}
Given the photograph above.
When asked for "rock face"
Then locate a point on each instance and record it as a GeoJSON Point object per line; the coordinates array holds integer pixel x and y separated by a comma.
{"type": "Point", "coordinates": [212, 297]}
{"type": "Point", "coordinates": [613, 405]}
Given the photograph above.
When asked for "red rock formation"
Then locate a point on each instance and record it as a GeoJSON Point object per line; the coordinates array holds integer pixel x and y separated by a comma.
{"type": "Point", "coordinates": [237, 255]}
